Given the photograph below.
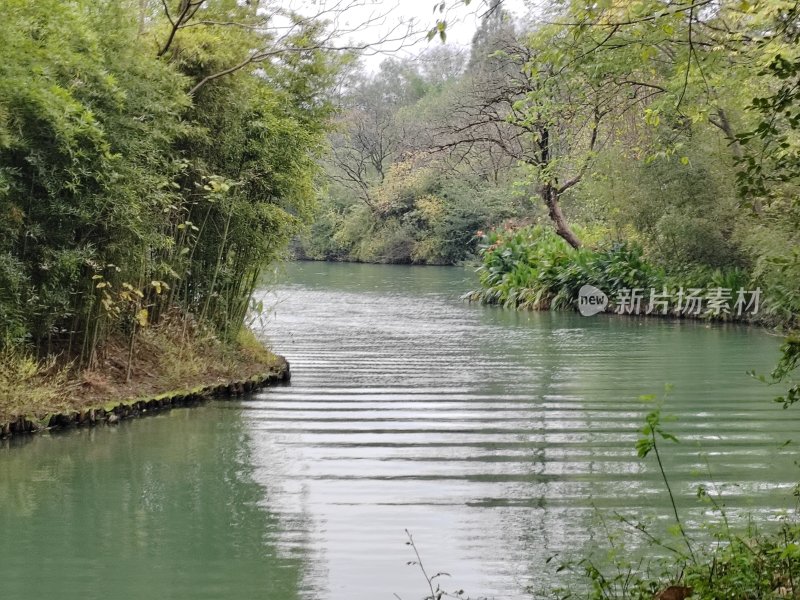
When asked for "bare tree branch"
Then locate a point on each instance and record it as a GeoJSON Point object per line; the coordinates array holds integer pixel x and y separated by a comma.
{"type": "Point", "coordinates": [187, 10]}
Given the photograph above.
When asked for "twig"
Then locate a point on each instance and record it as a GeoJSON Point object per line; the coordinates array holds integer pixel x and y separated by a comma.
{"type": "Point", "coordinates": [419, 563]}
{"type": "Point", "coordinates": [671, 497]}
{"type": "Point", "coordinates": [688, 61]}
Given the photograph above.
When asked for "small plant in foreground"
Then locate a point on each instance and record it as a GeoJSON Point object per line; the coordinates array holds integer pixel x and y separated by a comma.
{"type": "Point", "coordinates": [436, 591]}
{"type": "Point", "coordinates": [756, 562]}
{"type": "Point", "coordinates": [784, 372]}
{"type": "Point", "coordinates": [651, 432]}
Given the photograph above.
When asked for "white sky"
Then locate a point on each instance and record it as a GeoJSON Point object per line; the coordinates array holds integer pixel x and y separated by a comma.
{"type": "Point", "coordinates": [369, 21]}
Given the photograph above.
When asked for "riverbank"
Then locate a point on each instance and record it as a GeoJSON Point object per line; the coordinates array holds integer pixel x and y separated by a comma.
{"type": "Point", "coordinates": [532, 268]}
{"type": "Point", "coordinates": [171, 365]}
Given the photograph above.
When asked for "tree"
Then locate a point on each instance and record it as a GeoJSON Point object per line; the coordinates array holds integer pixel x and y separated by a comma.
{"type": "Point", "coordinates": [137, 180]}
{"type": "Point", "coordinates": [530, 108]}
{"type": "Point", "coordinates": [369, 135]}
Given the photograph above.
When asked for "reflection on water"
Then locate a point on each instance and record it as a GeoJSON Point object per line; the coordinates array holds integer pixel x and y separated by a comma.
{"type": "Point", "coordinates": [164, 507]}
{"type": "Point", "coordinates": [494, 436]}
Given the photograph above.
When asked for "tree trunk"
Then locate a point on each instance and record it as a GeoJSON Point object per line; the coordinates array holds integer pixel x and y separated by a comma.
{"type": "Point", "coordinates": [142, 11]}
{"type": "Point", "coordinates": [550, 196]}
{"type": "Point", "coordinates": [724, 125]}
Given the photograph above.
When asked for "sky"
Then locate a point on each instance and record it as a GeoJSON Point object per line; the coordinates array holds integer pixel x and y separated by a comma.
{"type": "Point", "coordinates": [404, 22]}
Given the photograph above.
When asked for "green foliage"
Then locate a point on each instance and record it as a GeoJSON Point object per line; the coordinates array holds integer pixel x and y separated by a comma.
{"type": "Point", "coordinates": [752, 563]}
{"type": "Point", "coordinates": [773, 159]}
{"type": "Point", "coordinates": [524, 268]}
{"type": "Point", "coordinates": [786, 369]}
{"type": "Point", "coordinates": [533, 268]}
{"type": "Point", "coordinates": [780, 274]}
{"type": "Point", "coordinates": [418, 218]}
{"type": "Point", "coordinates": [133, 181]}
{"type": "Point", "coordinates": [652, 429]}
{"type": "Point", "coordinates": [682, 214]}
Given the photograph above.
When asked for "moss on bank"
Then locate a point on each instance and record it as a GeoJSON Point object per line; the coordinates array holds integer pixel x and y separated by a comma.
{"type": "Point", "coordinates": [176, 363]}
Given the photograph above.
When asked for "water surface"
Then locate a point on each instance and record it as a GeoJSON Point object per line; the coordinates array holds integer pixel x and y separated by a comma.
{"type": "Point", "coordinates": [497, 438]}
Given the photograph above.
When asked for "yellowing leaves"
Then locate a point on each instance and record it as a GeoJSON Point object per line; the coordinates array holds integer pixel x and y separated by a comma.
{"type": "Point", "coordinates": [430, 207]}
{"type": "Point", "coordinates": [651, 117]}
{"type": "Point", "coordinates": [159, 286]}
{"type": "Point", "coordinates": [142, 317]}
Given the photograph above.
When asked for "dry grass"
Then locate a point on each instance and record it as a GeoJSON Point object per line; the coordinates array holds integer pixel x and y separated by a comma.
{"type": "Point", "coordinates": [174, 356]}
{"type": "Point", "coordinates": [28, 386]}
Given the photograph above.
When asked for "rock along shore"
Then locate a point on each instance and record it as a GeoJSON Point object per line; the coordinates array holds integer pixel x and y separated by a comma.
{"type": "Point", "coordinates": [114, 411]}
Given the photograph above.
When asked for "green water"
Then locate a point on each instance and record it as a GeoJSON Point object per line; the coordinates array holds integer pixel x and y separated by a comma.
{"type": "Point", "coordinates": [498, 438]}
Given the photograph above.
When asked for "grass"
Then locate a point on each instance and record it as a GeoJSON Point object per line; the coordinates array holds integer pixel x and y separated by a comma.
{"type": "Point", "coordinates": [176, 355]}
{"type": "Point", "coordinates": [29, 386]}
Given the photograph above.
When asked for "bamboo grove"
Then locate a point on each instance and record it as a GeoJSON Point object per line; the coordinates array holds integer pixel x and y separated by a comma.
{"type": "Point", "coordinates": [153, 157]}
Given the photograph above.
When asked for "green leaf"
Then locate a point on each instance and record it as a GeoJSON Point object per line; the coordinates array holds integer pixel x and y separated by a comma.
{"type": "Point", "coordinates": [643, 447]}
{"type": "Point", "coordinates": [667, 436]}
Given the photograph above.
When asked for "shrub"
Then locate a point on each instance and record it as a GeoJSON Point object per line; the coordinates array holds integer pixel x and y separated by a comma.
{"type": "Point", "coordinates": [533, 268]}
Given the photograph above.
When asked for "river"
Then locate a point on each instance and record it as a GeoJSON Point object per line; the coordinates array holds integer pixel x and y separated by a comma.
{"type": "Point", "coordinates": [497, 438]}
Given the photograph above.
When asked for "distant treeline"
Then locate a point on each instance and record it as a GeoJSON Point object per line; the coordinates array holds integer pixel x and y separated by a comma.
{"type": "Point", "coordinates": [671, 129]}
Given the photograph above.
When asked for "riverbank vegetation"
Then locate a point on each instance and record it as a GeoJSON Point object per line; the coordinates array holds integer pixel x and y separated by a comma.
{"type": "Point", "coordinates": [751, 563]}
{"type": "Point", "coordinates": [533, 268]}
{"type": "Point", "coordinates": [631, 146]}
{"type": "Point", "coordinates": [604, 132]}
{"type": "Point", "coordinates": [169, 358]}
{"type": "Point", "coordinates": [153, 158]}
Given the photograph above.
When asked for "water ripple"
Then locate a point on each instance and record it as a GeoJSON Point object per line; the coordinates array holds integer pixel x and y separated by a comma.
{"type": "Point", "coordinates": [496, 437]}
